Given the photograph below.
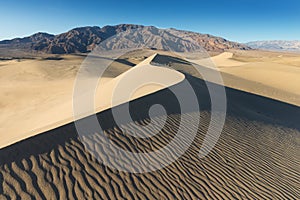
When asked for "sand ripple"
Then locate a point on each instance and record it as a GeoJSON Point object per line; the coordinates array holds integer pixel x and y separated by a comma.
{"type": "Point", "coordinates": [256, 157]}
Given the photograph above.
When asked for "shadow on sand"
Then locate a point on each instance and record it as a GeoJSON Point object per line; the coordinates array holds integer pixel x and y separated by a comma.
{"type": "Point", "coordinates": [240, 105]}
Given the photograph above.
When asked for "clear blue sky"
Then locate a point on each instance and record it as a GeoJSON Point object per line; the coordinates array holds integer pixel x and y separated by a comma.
{"type": "Point", "coordinates": [237, 20]}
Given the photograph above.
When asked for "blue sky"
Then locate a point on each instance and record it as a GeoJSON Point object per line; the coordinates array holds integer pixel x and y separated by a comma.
{"type": "Point", "coordinates": [237, 20]}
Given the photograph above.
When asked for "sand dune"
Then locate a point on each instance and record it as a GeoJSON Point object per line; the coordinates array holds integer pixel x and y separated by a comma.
{"type": "Point", "coordinates": [272, 75]}
{"type": "Point", "coordinates": [131, 82]}
{"type": "Point", "coordinates": [221, 60]}
{"type": "Point", "coordinates": [45, 84]}
{"type": "Point", "coordinates": [225, 60]}
{"type": "Point", "coordinates": [280, 73]}
{"type": "Point", "coordinates": [31, 87]}
{"type": "Point", "coordinates": [256, 157]}
{"type": "Point", "coordinates": [31, 122]}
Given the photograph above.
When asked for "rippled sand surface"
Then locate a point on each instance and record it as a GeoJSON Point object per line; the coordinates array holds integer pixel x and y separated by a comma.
{"type": "Point", "coordinates": [256, 157]}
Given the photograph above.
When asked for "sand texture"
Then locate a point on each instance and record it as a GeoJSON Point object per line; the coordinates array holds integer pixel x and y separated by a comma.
{"type": "Point", "coordinates": [271, 74]}
{"type": "Point", "coordinates": [256, 157]}
{"type": "Point", "coordinates": [42, 90]}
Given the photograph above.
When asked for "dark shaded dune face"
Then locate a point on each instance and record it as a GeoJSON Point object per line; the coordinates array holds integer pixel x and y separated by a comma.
{"type": "Point", "coordinates": [256, 157]}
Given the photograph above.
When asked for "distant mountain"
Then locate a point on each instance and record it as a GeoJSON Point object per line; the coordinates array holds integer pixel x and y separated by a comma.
{"type": "Point", "coordinates": [279, 45]}
{"type": "Point", "coordinates": [80, 40]}
{"type": "Point", "coordinates": [28, 41]}
{"type": "Point", "coordinates": [84, 39]}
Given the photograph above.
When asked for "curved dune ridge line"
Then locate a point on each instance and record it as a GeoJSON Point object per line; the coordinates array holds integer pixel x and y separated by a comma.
{"type": "Point", "coordinates": [277, 79]}
{"type": "Point", "coordinates": [62, 113]}
{"type": "Point", "coordinates": [256, 157]}
{"type": "Point", "coordinates": [221, 60]}
{"type": "Point", "coordinates": [108, 95]}
{"type": "Point", "coordinates": [36, 93]}
{"type": "Point", "coordinates": [281, 75]}
{"type": "Point", "coordinates": [225, 60]}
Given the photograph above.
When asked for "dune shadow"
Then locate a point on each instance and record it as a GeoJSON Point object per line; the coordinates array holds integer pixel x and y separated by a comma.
{"type": "Point", "coordinates": [125, 62]}
{"type": "Point", "coordinates": [168, 60]}
{"type": "Point", "coordinates": [240, 104]}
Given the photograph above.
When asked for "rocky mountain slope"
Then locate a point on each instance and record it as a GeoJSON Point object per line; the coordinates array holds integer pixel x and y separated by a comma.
{"type": "Point", "coordinates": [84, 39]}
{"type": "Point", "coordinates": [281, 45]}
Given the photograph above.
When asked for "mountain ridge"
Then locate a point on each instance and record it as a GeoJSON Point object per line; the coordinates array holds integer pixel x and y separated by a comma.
{"type": "Point", "coordinates": [278, 45]}
{"type": "Point", "coordinates": [85, 39]}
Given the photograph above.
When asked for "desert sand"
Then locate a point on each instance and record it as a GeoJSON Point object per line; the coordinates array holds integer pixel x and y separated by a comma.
{"type": "Point", "coordinates": [256, 157]}
{"type": "Point", "coordinates": [282, 76]}
{"type": "Point", "coordinates": [271, 74]}
{"type": "Point", "coordinates": [58, 95]}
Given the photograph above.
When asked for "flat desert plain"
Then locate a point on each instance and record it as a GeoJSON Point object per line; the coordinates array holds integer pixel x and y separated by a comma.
{"type": "Point", "coordinates": [256, 157]}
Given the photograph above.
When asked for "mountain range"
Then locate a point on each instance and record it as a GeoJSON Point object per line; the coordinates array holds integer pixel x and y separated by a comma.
{"type": "Point", "coordinates": [85, 39]}
{"type": "Point", "coordinates": [277, 45]}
